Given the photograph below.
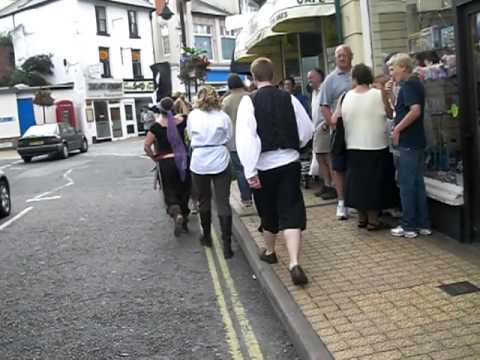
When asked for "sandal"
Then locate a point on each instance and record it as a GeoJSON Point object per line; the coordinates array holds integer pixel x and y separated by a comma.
{"type": "Point", "coordinates": [376, 227]}
{"type": "Point", "coordinates": [362, 224]}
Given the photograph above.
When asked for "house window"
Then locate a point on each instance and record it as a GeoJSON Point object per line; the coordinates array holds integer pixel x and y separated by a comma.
{"type": "Point", "coordinates": [101, 15]}
{"type": "Point", "coordinates": [137, 64]}
{"type": "Point", "coordinates": [203, 38]}
{"type": "Point", "coordinates": [132, 24]}
{"type": "Point", "coordinates": [165, 39]}
{"type": "Point", "coordinates": [228, 43]}
{"type": "Point", "coordinates": [104, 57]}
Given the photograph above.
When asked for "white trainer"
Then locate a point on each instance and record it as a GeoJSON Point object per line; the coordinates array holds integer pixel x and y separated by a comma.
{"type": "Point", "coordinates": [425, 232]}
{"type": "Point", "coordinates": [400, 232]}
{"type": "Point", "coordinates": [342, 213]}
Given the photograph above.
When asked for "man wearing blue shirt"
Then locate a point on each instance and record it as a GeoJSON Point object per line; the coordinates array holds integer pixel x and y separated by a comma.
{"type": "Point", "coordinates": [408, 136]}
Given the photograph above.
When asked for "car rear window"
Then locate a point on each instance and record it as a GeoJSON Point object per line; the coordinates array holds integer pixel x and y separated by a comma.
{"type": "Point", "coordinates": [42, 130]}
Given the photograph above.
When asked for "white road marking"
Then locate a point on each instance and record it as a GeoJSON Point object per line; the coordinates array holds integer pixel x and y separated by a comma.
{"type": "Point", "coordinates": [15, 218]}
{"type": "Point", "coordinates": [44, 196]}
{"type": "Point", "coordinates": [44, 199]}
{"type": "Point", "coordinates": [11, 164]}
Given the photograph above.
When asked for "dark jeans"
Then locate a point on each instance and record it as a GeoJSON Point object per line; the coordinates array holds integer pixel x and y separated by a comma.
{"type": "Point", "coordinates": [410, 167]}
{"type": "Point", "coordinates": [221, 187]}
{"type": "Point", "coordinates": [245, 192]}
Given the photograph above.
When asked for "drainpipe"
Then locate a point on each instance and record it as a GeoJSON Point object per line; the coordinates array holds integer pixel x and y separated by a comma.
{"type": "Point", "coordinates": [338, 21]}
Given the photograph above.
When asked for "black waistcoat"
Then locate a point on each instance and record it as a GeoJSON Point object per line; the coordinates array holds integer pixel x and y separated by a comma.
{"type": "Point", "coordinates": [276, 122]}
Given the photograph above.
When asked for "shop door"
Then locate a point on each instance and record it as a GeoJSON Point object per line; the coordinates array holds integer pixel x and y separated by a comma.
{"type": "Point", "coordinates": [116, 119]}
{"type": "Point", "coordinates": [101, 120]}
{"type": "Point", "coordinates": [130, 119]}
{"type": "Point", "coordinates": [469, 68]}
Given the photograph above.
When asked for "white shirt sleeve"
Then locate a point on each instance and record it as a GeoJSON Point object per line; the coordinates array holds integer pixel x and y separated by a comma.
{"type": "Point", "coordinates": [229, 127]}
{"type": "Point", "coordinates": [247, 140]}
{"type": "Point", "coordinates": [304, 124]}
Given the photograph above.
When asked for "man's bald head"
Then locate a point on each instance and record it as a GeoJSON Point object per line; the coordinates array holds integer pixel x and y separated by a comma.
{"type": "Point", "coordinates": [343, 57]}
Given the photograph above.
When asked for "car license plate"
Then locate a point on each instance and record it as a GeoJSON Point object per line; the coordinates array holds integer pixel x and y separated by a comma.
{"type": "Point", "coordinates": [34, 143]}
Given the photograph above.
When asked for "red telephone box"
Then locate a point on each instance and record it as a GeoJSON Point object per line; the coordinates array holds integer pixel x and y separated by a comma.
{"type": "Point", "coordinates": [66, 112]}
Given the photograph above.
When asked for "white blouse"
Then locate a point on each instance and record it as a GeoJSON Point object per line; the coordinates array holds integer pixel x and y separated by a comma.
{"type": "Point", "coordinates": [364, 119]}
{"type": "Point", "coordinates": [210, 133]}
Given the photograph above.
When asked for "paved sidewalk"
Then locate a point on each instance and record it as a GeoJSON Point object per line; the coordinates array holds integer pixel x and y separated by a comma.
{"type": "Point", "coordinates": [372, 296]}
{"type": "Point", "coordinates": [9, 154]}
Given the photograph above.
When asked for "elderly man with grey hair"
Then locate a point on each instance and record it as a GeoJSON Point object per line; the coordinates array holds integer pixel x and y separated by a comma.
{"type": "Point", "coordinates": [338, 82]}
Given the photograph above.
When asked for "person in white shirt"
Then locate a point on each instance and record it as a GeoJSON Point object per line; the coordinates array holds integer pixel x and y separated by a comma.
{"type": "Point", "coordinates": [370, 176]}
{"type": "Point", "coordinates": [272, 126]}
{"type": "Point", "coordinates": [210, 130]}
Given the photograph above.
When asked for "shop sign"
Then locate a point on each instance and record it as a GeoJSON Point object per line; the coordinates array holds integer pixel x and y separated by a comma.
{"type": "Point", "coordinates": [5, 119]}
{"type": "Point", "coordinates": [138, 86]}
{"type": "Point", "coordinates": [100, 89]}
{"type": "Point", "coordinates": [309, 2]}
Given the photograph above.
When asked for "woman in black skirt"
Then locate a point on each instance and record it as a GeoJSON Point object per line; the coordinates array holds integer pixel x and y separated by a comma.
{"type": "Point", "coordinates": [370, 177]}
{"type": "Point", "coordinates": [168, 136]}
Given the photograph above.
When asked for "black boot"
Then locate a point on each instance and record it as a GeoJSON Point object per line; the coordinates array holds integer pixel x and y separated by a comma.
{"type": "Point", "coordinates": [206, 222]}
{"type": "Point", "coordinates": [226, 227]}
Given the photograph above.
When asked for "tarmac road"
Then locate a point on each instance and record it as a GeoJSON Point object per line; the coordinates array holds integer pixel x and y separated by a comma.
{"type": "Point", "coordinates": [90, 269]}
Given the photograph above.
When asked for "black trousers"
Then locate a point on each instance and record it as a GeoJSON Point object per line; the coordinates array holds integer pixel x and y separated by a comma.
{"type": "Point", "coordinates": [221, 188]}
{"type": "Point", "coordinates": [280, 200]}
{"type": "Point", "coordinates": [175, 192]}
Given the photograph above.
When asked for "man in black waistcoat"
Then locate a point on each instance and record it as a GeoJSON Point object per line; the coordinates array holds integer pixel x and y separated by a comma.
{"type": "Point", "coordinates": [272, 126]}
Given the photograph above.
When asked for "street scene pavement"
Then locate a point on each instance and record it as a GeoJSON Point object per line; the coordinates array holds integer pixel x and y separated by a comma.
{"type": "Point", "coordinates": [372, 296]}
{"type": "Point", "coordinates": [90, 269]}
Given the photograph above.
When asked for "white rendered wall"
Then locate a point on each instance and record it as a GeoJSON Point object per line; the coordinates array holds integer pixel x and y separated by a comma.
{"type": "Point", "coordinates": [8, 108]}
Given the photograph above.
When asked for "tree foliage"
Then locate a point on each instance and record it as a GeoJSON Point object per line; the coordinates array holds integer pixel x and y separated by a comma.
{"type": "Point", "coordinates": [31, 72]}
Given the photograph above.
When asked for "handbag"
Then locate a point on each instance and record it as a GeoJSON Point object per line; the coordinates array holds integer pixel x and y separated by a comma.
{"type": "Point", "coordinates": [338, 145]}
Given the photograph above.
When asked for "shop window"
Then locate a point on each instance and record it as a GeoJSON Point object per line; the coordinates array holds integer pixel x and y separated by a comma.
{"type": "Point", "coordinates": [104, 57]}
{"type": "Point", "coordinates": [165, 39]}
{"type": "Point", "coordinates": [203, 38]}
{"type": "Point", "coordinates": [228, 43]}
{"type": "Point", "coordinates": [101, 15]}
{"type": "Point", "coordinates": [137, 64]}
{"type": "Point", "coordinates": [132, 24]}
{"type": "Point", "coordinates": [129, 112]}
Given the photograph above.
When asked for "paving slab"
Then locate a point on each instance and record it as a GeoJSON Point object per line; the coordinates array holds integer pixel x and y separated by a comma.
{"type": "Point", "coordinates": [372, 296]}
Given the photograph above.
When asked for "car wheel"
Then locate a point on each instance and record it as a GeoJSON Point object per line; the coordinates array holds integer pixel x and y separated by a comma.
{"type": "Point", "coordinates": [27, 159]}
{"type": "Point", "coordinates": [84, 147]}
{"type": "Point", "coordinates": [64, 151]}
{"type": "Point", "coordinates": [5, 201]}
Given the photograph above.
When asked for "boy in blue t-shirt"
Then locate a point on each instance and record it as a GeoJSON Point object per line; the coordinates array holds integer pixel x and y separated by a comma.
{"type": "Point", "coordinates": [408, 135]}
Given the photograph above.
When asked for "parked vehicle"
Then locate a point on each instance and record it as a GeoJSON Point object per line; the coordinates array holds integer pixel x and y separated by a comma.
{"type": "Point", "coordinates": [51, 139]}
{"type": "Point", "coordinates": [5, 200]}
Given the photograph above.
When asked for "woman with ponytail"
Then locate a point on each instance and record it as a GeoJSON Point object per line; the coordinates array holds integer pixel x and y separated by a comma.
{"type": "Point", "coordinates": [210, 131]}
{"type": "Point", "coordinates": [170, 152]}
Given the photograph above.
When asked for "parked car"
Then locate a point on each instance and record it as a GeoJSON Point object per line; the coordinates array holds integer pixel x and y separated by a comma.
{"type": "Point", "coordinates": [5, 200]}
{"type": "Point", "coordinates": [57, 139]}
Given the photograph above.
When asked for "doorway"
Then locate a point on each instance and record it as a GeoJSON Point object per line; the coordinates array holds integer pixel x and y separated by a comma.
{"type": "Point", "coordinates": [116, 120]}
{"type": "Point", "coordinates": [468, 17]}
{"type": "Point", "coordinates": [101, 120]}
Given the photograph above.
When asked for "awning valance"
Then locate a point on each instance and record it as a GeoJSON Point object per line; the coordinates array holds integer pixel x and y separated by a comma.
{"type": "Point", "coordinates": [299, 15]}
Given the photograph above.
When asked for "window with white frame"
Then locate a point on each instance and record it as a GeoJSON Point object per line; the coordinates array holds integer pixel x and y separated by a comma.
{"type": "Point", "coordinates": [165, 39]}
{"type": "Point", "coordinates": [228, 42]}
{"type": "Point", "coordinates": [203, 38]}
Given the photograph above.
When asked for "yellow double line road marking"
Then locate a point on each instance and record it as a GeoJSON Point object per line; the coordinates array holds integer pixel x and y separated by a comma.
{"type": "Point", "coordinates": [247, 333]}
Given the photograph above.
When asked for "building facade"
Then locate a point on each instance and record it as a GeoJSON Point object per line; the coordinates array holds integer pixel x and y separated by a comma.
{"type": "Point", "coordinates": [204, 28]}
{"type": "Point", "coordinates": [103, 47]}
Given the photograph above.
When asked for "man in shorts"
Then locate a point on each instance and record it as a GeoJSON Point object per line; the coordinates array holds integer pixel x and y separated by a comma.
{"type": "Point", "coordinates": [321, 138]}
{"type": "Point", "coordinates": [338, 82]}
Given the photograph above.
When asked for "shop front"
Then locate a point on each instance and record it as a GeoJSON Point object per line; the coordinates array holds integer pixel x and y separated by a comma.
{"type": "Point", "coordinates": [434, 35]}
{"type": "Point", "coordinates": [138, 97]}
{"type": "Point", "coordinates": [296, 35]}
{"type": "Point", "coordinates": [468, 39]}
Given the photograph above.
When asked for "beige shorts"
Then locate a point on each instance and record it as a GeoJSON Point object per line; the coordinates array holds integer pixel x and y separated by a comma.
{"type": "Point", "coordinates": [321, 141]}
